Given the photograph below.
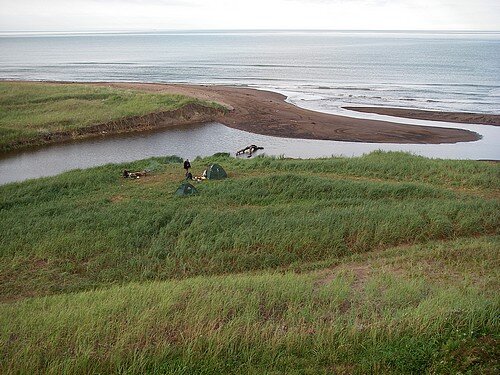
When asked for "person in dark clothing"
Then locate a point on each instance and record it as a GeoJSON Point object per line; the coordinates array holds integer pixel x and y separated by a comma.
{"type": "Point", "coordinates": [187, 165]}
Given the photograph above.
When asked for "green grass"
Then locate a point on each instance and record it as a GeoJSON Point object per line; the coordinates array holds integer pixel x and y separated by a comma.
{"type": "Point", "coordinates": [387, 263]}
{"type": "Point", "coordinates": [31, 110]}
{"type": "Point", "coordinates": [381, 314]}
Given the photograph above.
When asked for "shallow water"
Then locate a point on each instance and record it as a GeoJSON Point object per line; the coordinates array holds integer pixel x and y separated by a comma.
{"type": "Point", "coordinates": [205, 140]}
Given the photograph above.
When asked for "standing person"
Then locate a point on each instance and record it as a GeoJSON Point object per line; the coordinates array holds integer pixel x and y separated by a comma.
{"type": "Point", "coordinates": [187, 165]}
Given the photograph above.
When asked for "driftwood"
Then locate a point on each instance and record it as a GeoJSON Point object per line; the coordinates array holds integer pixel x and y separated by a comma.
{"type": "Point", "coordinates": [249, 150]}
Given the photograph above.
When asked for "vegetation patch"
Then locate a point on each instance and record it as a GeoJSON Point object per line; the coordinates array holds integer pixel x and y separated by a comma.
{"type": "Point", "coordinates": [38, 113]}
{"type": "Point", "coordinates": [385, 263]}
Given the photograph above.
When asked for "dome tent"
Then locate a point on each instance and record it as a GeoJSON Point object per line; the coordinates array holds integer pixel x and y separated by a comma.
{"type": "Point", "coordinates": [186, 189]}
{"type": "Point", "coordinates": [216, 172]}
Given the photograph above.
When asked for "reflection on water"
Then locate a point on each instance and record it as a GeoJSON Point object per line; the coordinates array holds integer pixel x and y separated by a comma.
{"type": "Point", "coordinates": [205, 140]}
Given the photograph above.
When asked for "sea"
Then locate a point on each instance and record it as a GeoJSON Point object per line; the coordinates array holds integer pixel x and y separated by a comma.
{"type": "Point", "coordinates": [324, 70]}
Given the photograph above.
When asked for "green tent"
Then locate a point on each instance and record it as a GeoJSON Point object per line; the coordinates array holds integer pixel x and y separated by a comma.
{"type": "Point", "coordinates": [186, 189]}
{"type": "Point", "coordinates": [216, 172]}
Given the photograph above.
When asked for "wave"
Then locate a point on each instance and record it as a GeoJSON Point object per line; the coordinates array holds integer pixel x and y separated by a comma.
{"type": "Point", "coordinates": [97, 63]}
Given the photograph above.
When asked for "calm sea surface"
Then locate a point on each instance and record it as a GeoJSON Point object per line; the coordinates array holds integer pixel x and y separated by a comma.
{"type": "Point", "coordinates": [317, 70]}
{"type": "Point", "coordinates": [448, 71]}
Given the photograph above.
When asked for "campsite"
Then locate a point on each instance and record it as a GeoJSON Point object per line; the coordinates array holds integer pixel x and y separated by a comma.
{"type": "Point", "coordinates": [266, 187]}
{"type": "Point", "coordinates": [387, 262]}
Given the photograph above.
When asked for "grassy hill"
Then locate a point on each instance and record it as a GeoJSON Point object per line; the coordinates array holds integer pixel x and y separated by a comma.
{"type": "Point", "coordinates": [35, 113]}
{"type": "Point", "coordinates": [387, 263]}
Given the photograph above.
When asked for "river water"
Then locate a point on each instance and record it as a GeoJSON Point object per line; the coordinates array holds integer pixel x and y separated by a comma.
{"type": "Point", "coordinates": [205, 140]}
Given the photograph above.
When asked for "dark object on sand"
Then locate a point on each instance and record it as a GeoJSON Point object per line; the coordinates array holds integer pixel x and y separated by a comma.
{"type": "Point", "coordinates": [186, 189]}
{"type": "Point", "coordinates": [128, 174]}
{"type": "Point", "coordinates": [249, 150]}
{"type": "Point", "coordinates": [216, 172]}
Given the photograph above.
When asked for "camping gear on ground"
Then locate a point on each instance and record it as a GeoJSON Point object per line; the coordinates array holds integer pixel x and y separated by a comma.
{"type": "Point", "coordinates": [186, 189]}
{"type": "Point", "coordinates": [216, 172]}
{"type": "Point", "coordinates": [128, 174]}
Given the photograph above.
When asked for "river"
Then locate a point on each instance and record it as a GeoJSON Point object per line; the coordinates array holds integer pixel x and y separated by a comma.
{"type": "Point", "coordinates": [205, 140]}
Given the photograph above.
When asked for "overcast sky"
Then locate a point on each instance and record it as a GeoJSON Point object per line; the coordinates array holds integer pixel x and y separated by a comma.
{"type": "Point", "coordinates": [107, 15]}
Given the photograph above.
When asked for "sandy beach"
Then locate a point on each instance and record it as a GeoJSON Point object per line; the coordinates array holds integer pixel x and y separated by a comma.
{"type": "Point", "coordinates": [267, 113]}
{"type": "Point", "coordinates": [419, 114]}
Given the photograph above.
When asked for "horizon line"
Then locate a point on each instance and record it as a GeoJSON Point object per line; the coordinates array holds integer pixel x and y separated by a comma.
{"type": "Point", "coordinates": [104, 31]}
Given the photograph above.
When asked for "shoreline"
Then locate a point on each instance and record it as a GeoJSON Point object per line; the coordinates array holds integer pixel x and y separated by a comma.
{"type": "Point", "coordinates": [256, 111]}
{"type": "Point", "coordinates": [423, 114]}
{"type": "Point", "coordinates": [267, 113]}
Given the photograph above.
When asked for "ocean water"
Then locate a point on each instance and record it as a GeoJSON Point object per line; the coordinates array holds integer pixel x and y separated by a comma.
{"type": "Point", "coordinates": [319, 70]}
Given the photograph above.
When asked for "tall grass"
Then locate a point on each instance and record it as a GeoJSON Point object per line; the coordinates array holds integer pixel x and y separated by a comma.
{"type": "Point", "coordinates": [89, 228]}
{"type": "Point", "coordinates": [372, 315]}
{"type": "Point", "coordinates": [395, 166]}
{"type": "Point", "coordinates": [387, 263]}
{"type": "Point", "coordinates": [28, 110]}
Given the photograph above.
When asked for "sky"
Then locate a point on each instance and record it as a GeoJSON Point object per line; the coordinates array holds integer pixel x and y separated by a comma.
{"type": "Point", "coordinates": [147, 15]}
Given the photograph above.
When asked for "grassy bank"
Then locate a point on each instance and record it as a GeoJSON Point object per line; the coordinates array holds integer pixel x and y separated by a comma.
{"type": "Point", "coordinates": [385, 263]}
{"type": "Point", "coordinates": [31, 112]}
